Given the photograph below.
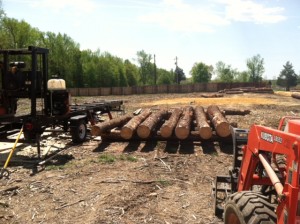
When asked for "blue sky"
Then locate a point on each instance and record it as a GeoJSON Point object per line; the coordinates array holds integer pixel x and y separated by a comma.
{"type": "Point", "coordinates": [195, 31]}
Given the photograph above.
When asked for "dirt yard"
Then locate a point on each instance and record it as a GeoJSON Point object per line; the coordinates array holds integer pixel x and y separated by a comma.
{"type": "Point", "coordinates": [129, 182]}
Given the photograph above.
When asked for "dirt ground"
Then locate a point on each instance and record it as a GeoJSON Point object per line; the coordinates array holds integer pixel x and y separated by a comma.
{"type": "Point", "coordinates": [129, 182]}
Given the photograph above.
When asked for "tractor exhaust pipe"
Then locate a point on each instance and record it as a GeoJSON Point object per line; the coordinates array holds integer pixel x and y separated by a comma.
{"type": "Point", "coordinates": [271, 173]}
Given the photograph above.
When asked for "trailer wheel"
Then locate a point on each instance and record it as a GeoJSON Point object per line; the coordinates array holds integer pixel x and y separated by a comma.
{"type": "Point", "coordinates": [29, 136]}
{"type": "Point", "coordinates": [249, 207]}
{"type": "Point", "coordinates": [78, 131]}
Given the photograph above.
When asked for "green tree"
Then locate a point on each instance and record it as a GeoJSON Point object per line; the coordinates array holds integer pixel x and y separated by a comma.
{"type": "Point", "coordinates": [256, 68]}
{"type": "Point", "coordinates": [131, 72]}
{"type": "Point", "coordinates": [201, 72]}
{"type": "Point", "coordinates": [179, 75]}
{"type": "Point", "coordinates": [18, 34]}
{"type": "Point", "coordinates": [146, 67]}
{"type": "Point", "coordinates": [2, 13]}
{"type": "Point", "coordinates": [64, 57]}
{"type": "Point", "coordinates": [164, 77]}
{"type": "Point", "coordinates": [287, 77]}
{"type": "Point", "coordinates": [225, 73]}
{"type": "Point", "coordinates": [242, 76]}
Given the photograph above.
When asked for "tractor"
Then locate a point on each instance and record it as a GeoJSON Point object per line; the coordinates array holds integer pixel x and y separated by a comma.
{"type": "Point", "coordinates": [263, 182]}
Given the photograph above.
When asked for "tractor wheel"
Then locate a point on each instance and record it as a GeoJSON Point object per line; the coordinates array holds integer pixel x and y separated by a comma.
{"type": "Point", "coordinates": [249, 207]}
{"type": "Point", "coordinates": [79, 132]}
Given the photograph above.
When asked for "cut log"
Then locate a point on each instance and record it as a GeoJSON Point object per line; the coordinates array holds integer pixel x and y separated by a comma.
{"type": "Point", "coordinates": [235, 92]}
{"type": "Point", "coordinates": [130, 128]}
{"type": "Point", "coordinates": [144, 130]}
{"type": "Point", "coordinates": [183, 127]}
{"type": "Point", "coordinates": [167, 128]}
{"type": "Point", "coordinates": [215, 95]}
{"type": "Point", "coordinates": [100, 128]}
{"type": "Point", "coordinates": [219, 121]}
{"type": "Point", "coordinates": [296, 95]}
{"type": "Point", "coordinates": [236, 112]}
{"type": "Point", "coordinates": [204, 129]}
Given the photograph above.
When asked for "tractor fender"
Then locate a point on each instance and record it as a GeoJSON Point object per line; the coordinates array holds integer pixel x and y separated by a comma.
{"type": "Point", "coordinates": [74, 120]}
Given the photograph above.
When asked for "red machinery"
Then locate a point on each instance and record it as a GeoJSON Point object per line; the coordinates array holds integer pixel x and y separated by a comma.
{"type": "Point", "coordinates": [263, 184]}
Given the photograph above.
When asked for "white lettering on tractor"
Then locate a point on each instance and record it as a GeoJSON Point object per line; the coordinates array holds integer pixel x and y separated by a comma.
{"type": "Point", "coordinates": [267, 137]}
{"type": "Point", "coordinates": [278, 139]}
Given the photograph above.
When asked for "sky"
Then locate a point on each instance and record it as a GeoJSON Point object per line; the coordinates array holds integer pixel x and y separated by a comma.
{"type": "Point", "coordinates": [194, 31]}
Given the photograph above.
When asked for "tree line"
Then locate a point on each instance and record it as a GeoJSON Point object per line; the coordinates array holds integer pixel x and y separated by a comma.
{"type": "Point", "coordinates": [86, 68]}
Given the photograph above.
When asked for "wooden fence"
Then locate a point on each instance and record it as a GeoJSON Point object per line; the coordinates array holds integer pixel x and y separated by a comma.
{"type": "Point", "coordinates": [187, 88]}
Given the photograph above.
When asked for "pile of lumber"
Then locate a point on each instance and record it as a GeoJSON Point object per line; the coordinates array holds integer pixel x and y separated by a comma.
{"type": "Point", "coordinates": [247, 90]}
{"type": "Point", "coordinates": [189, 122]}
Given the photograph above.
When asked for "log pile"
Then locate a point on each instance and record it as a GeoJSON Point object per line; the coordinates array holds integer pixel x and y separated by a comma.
{"type": "Point", "coordinates": [168, 127]}
{"type": "Point", "coordinates": [247, 90]}
{"type": "Point", "coordinates": [106, 126]}
{"type": "Point", "coordinates": [129, 129]}
{"type": "Point", "coordinates": [188, 123]}
{"type": "Point", "coordinates": [144, 129]}
{"type": "Point", "coordinates": [296, 95]}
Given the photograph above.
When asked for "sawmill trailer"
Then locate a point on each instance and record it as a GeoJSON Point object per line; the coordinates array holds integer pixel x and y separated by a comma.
{"type": "Point", "coordinates": [24, 75]}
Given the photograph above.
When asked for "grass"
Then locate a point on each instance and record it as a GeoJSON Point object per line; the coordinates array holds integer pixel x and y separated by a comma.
{"type": "Point", "coordinates": [164, 183]}
{"type": "Point", "coordinates": [128, 158]}
{"type": "Point", "coordinates": [103, 158]}
{"type": "Point", "coordinates": [109, 158]}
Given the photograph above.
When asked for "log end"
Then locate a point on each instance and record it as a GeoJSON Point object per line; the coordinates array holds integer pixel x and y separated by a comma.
{"type": "Point", "coordinates": [143, 131]}
{"type": "Point", "coordinates": [126, 133]}
{"type": "Point", "coordinates": [223, 129]}
{"type": "Point", "coordinates": [182, 132]}
{"type": "Point", "coordinates": [166, 131]}
{"type": "Point", "coordinates": [95, 131]}
{"type": "Point", "coordinates": [205, 133]}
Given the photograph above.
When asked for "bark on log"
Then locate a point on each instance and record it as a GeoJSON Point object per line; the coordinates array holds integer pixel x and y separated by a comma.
{"type": "Point", "coordinates": [215, 95]}
{"type": "Point", "coordinates": [100, 128]}
{"type": "Point", "coordinates": [234, 92]}
{"type": "Point", "coordinates": [296, 95]}
{"type": "Point", "coordinates": [204, 129]}
{"type": "Point", "coordinates": [129, 129]}
{"type": "Point", "coordinates": [236, 112]}
{"type": "Point", "coordinates": [219, 121]}
{"type": "Point", "coordinates": [183, 127]}
{"type": "Point", "coordinates": [144, 130]}
{"type": "Point", "coordinates": [167, 128]}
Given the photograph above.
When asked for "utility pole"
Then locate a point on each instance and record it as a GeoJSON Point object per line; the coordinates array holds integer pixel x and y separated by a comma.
{"type": "Point", "coordinates": [154, 71]}
{"type": "Point", "coordinates": [176, 72]}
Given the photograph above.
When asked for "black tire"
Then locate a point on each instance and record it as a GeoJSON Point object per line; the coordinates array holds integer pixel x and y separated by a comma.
{"type": "Point", "coordinates": [79, 131]}
{"type": "Point", "coordinates": [29, 136]}
{"type": "Point", "coordinates": [249, 207]}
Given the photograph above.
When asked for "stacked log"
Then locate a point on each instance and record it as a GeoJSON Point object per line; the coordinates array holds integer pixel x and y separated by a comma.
{"type": "Point", "coordinates": [144, 130]}
{"type": "Point", "coordinates": [167, 128]}
{"type": "Point", "coordinates": [204, 128]}
{"type": "Point", "coordinates": [129, 129]}
{"type": "Point", "coordinates": [236, 112]}
{"type": "Point", "coordinates": [296, 95]}
{"type": "Point", "coordinates": [213, 95]}
{"type": "Point", "coordinates": [100, 128]}
{"type": "Point", "coordinates": [219, 122]}
{"type": "Point", "coordinates": [247, 90]}
{"type": "Point", "coordinates": [183, 127]}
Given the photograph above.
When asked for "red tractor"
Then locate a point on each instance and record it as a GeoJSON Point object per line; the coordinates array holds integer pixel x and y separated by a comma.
{"type": "Point", "coordinates": [263, 184]}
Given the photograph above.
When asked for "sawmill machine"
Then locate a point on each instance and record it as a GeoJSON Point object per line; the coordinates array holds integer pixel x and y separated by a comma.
{"type": "Point", "coordinates": [24, 77]}
{"type": "Point", "coordinates": [263, 183]}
